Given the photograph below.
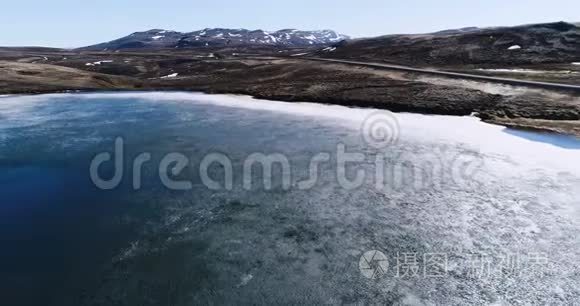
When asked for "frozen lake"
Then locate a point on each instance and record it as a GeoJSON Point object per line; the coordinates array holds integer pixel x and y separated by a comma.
{"type": "Point", "coordinates": [464, 212]}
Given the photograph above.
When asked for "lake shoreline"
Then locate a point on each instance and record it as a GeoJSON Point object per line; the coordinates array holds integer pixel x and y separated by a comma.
{"type": "Point", "coordinates": [295, 80]}
{"type": "Point", "coordinates": [543, 126]}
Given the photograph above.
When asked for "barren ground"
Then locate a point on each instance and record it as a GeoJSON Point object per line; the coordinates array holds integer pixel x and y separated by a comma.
{"type": "Point", "coordinates": [278, 76]}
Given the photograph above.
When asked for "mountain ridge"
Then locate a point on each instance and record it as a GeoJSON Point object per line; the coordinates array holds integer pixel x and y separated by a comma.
{"type": "Point", "coordinates": [160, 38]}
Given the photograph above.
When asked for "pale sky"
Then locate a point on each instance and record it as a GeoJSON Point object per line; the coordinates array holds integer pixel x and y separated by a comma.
{"type": "Point", "coordinates": [76, 23]}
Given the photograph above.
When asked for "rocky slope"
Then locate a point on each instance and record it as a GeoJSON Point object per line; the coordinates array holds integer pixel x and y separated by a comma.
{"type": "Point", "coordinates": [528, 44]}
{"type": "Point", "coordinates": [20, 77]}
{"type": "Point", "coordinates": [157, 38]}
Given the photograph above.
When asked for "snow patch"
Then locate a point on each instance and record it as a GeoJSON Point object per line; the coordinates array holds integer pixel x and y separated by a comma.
{"type": "Point", "coordinates": [128, 252]}
{"type": "Point", "coordinates": [299, 54]}
{"type": "Point", "coordinates": [157, 37]}
{"type": "Point", "coordinates": [98, 63]}
{"type": "Point", "coordinates": [170, 76]}
{"type": "Point", "coordinates": [578, 63]}
{"type": "Point", "coordinates": [515, 47]}
{"type": "Point", "coordinates": [245, 280]}
{"type": "Point", "coordinates": [268, 36]}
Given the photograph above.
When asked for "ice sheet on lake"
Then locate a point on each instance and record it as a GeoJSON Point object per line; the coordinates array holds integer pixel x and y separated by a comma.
{"type": "Point", "coordinates": [468, 131]}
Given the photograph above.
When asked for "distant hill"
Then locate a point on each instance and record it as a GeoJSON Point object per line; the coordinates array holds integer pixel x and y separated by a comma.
{"type": "Point", "coordinates": [458, 31]}
{"type": "Point", "coordinates": [30, 49]}
{"type": "Point", "coordinates": [158, 38]}
{"type": "Point", "coordinates": [526, 44]}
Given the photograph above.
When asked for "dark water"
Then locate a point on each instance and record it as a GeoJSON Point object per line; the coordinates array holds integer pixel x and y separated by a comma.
{"type": "Point", "coordinates": [66, 242]}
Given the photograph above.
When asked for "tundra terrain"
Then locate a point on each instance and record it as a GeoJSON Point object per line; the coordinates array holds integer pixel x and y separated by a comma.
{"type": "Point", "coordinates": [276, 71]}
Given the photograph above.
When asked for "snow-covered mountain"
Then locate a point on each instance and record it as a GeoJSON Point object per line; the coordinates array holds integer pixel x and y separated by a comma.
{"type": "Point", "coordinates": [158, 38]}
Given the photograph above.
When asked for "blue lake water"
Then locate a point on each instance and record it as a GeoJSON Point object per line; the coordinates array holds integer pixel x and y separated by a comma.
{"type": "Point", "coordinates": [66, 242]}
